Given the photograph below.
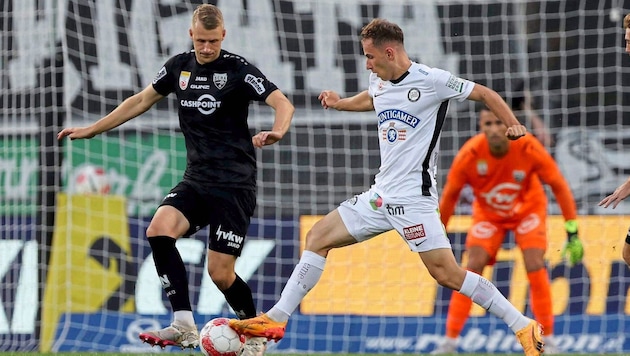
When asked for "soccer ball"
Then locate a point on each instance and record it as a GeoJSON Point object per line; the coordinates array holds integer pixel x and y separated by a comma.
{"type": "Point", "coordinates": [90, 179]}
{"type": "Point", "coordinates": [219, 339]}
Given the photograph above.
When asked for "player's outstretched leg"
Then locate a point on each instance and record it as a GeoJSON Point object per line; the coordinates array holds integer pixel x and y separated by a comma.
{"type": "Point", "coordinates": [172, 335]}
{"type": "Point", "coordinates": [530, 338]}
{"type": "Point", "coordinates": [260, 326]}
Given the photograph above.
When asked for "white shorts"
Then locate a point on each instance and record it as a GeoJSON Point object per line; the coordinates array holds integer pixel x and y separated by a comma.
{"type": "Point", "coordinates": [367, 215]}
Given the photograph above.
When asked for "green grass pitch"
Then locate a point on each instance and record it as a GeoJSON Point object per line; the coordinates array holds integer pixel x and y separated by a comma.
{"type": "Point", "coordinates": [199, 353]}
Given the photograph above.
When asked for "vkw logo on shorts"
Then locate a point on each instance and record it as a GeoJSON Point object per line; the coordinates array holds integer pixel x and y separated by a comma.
{"type": "Point", "coordinates": [232, 240]}
{"type": "Point", "coordinates": [414, 232]}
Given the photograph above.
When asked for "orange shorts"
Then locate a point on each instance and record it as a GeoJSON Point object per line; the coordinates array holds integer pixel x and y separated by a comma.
{"type": "Point", "coordinates": [529, 232]}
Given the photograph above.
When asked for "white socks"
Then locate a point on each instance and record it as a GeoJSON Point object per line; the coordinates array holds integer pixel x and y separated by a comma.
{"type": "Point", "coordinates": [485, 294]}
{"type": "Point", "coordinates": [304, 277]}
{"type": "Point", "coordinates": [183, 318]}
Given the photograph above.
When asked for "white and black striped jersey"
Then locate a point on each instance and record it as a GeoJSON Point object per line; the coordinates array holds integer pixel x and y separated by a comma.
{"type": "Point", "coordinates": [411, 111]}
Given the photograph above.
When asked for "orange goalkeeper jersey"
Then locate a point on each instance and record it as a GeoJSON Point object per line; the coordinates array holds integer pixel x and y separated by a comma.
{"type": "Point", "coordinates": [509, 187]}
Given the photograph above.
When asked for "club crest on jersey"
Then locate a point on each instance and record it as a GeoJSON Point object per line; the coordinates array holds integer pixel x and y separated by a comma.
{"type": "Point", "coordinates": [391, 134]}
{"type": "Point", "coordinates": [519, 176]}
{"type": "Point", "coordinates": [413, 95]}
{"type": "Point", "coordinates": [184, 78]}
{"type": "Point", "coordinates": [219, 80]}
{"type": "Point", "coordinates": [482, 168]}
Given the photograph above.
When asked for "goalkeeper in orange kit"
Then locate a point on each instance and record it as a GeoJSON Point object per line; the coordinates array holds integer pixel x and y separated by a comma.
{"type": "Point", "coordinates": [505, 177]}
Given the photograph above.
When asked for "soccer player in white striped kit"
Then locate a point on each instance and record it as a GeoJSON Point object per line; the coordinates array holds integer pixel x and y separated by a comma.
{"type": "Point", "coordinates": [410, 101]}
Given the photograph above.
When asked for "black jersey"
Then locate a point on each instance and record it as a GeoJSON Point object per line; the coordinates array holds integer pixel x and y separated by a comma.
{"type": "Point", "coordinates": [213, 101]}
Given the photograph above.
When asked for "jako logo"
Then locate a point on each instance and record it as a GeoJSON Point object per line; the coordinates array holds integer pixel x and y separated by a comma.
{"type": "Point", "coordinates": [233, 239]}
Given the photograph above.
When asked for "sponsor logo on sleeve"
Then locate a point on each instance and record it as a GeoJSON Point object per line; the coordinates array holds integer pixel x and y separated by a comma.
{"type": "Point", "coordinates": [256, 83]}
{"type": "Point", "coordinates": [455, 83]}
{"type": "Point", "coordinates": [160, 75]}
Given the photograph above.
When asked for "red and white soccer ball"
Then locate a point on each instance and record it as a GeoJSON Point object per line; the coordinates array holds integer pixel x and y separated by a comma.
{"type": "Point", "coordinates": [91, 179]}
{"type": "Point", "coordinates": [219, 339]}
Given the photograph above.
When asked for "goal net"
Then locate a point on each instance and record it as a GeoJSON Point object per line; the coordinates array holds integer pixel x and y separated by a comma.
{"type": "Point", "coordinates": [76, 270]}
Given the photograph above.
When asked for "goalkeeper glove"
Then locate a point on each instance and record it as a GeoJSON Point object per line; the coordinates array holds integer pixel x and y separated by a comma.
{"type": "Point", "coordinates": [573, 249]}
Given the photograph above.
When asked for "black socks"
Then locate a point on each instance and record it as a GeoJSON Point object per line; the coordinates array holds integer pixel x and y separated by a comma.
{"type": "Point", "coordinates": [171, 271]}
{"type": "Point", "coordinates": [239, 297]}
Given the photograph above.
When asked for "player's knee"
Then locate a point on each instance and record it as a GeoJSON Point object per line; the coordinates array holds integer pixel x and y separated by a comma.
{"type": "Point", "coordinates": [161, 229]}
{"type": "Point", "coordinates": [447, 281]}
{"type": "Point", "coordinates": [221, 277]}
{"type": "Point", "coordinates": [445, 278]}
{"type": "Point", "coordinates": [153, 231]}
{"type": "Point", "coordinates": [316, 241]}
{"type": "Point", "coordinates": [534, 264]}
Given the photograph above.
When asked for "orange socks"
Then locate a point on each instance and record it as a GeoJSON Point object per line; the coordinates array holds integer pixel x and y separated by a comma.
{"type": "Point", "coordinates": [540, 299]}
{"type": "Point", "coordinates": [458, 312]}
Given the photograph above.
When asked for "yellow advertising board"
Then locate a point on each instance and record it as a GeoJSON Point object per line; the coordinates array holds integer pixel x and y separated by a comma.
{"type": "Point", "coordinates": [80, 279]}
{"type": "Point", "coordinates": [383, 277]}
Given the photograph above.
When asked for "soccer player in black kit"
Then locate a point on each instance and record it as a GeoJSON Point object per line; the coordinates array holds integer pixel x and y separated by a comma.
{"type": "Point", "coordinates": [214, 88]}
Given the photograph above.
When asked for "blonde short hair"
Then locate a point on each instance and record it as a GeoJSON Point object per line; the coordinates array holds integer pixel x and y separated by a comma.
{"type": "Point", "coordinates": [208, 15]}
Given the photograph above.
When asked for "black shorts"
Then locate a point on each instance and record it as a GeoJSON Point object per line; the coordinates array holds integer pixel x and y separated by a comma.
{"type": "Point", "coordinates": [227, 212]}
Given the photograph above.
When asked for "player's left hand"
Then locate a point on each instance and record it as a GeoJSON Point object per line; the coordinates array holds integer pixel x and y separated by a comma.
{"type": "Point", "coordinates": [76, 132]}
{"type": "Point", "coordinates": [573, 250]}
{"type": "Point", "coordinates": [265, 138]}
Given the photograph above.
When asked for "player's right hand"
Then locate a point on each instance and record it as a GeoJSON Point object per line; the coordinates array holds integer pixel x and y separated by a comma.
{"type": "Point", "coordinates": [265, 138]}
{"type": "Point", "coordinates": [621, 193]}
{"type": "Point", "coordinates": [75, 132]}
{"type": "Point", "coordinates": [516, 131]}
{"type": "Point", "coordinates": [328, 98]}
